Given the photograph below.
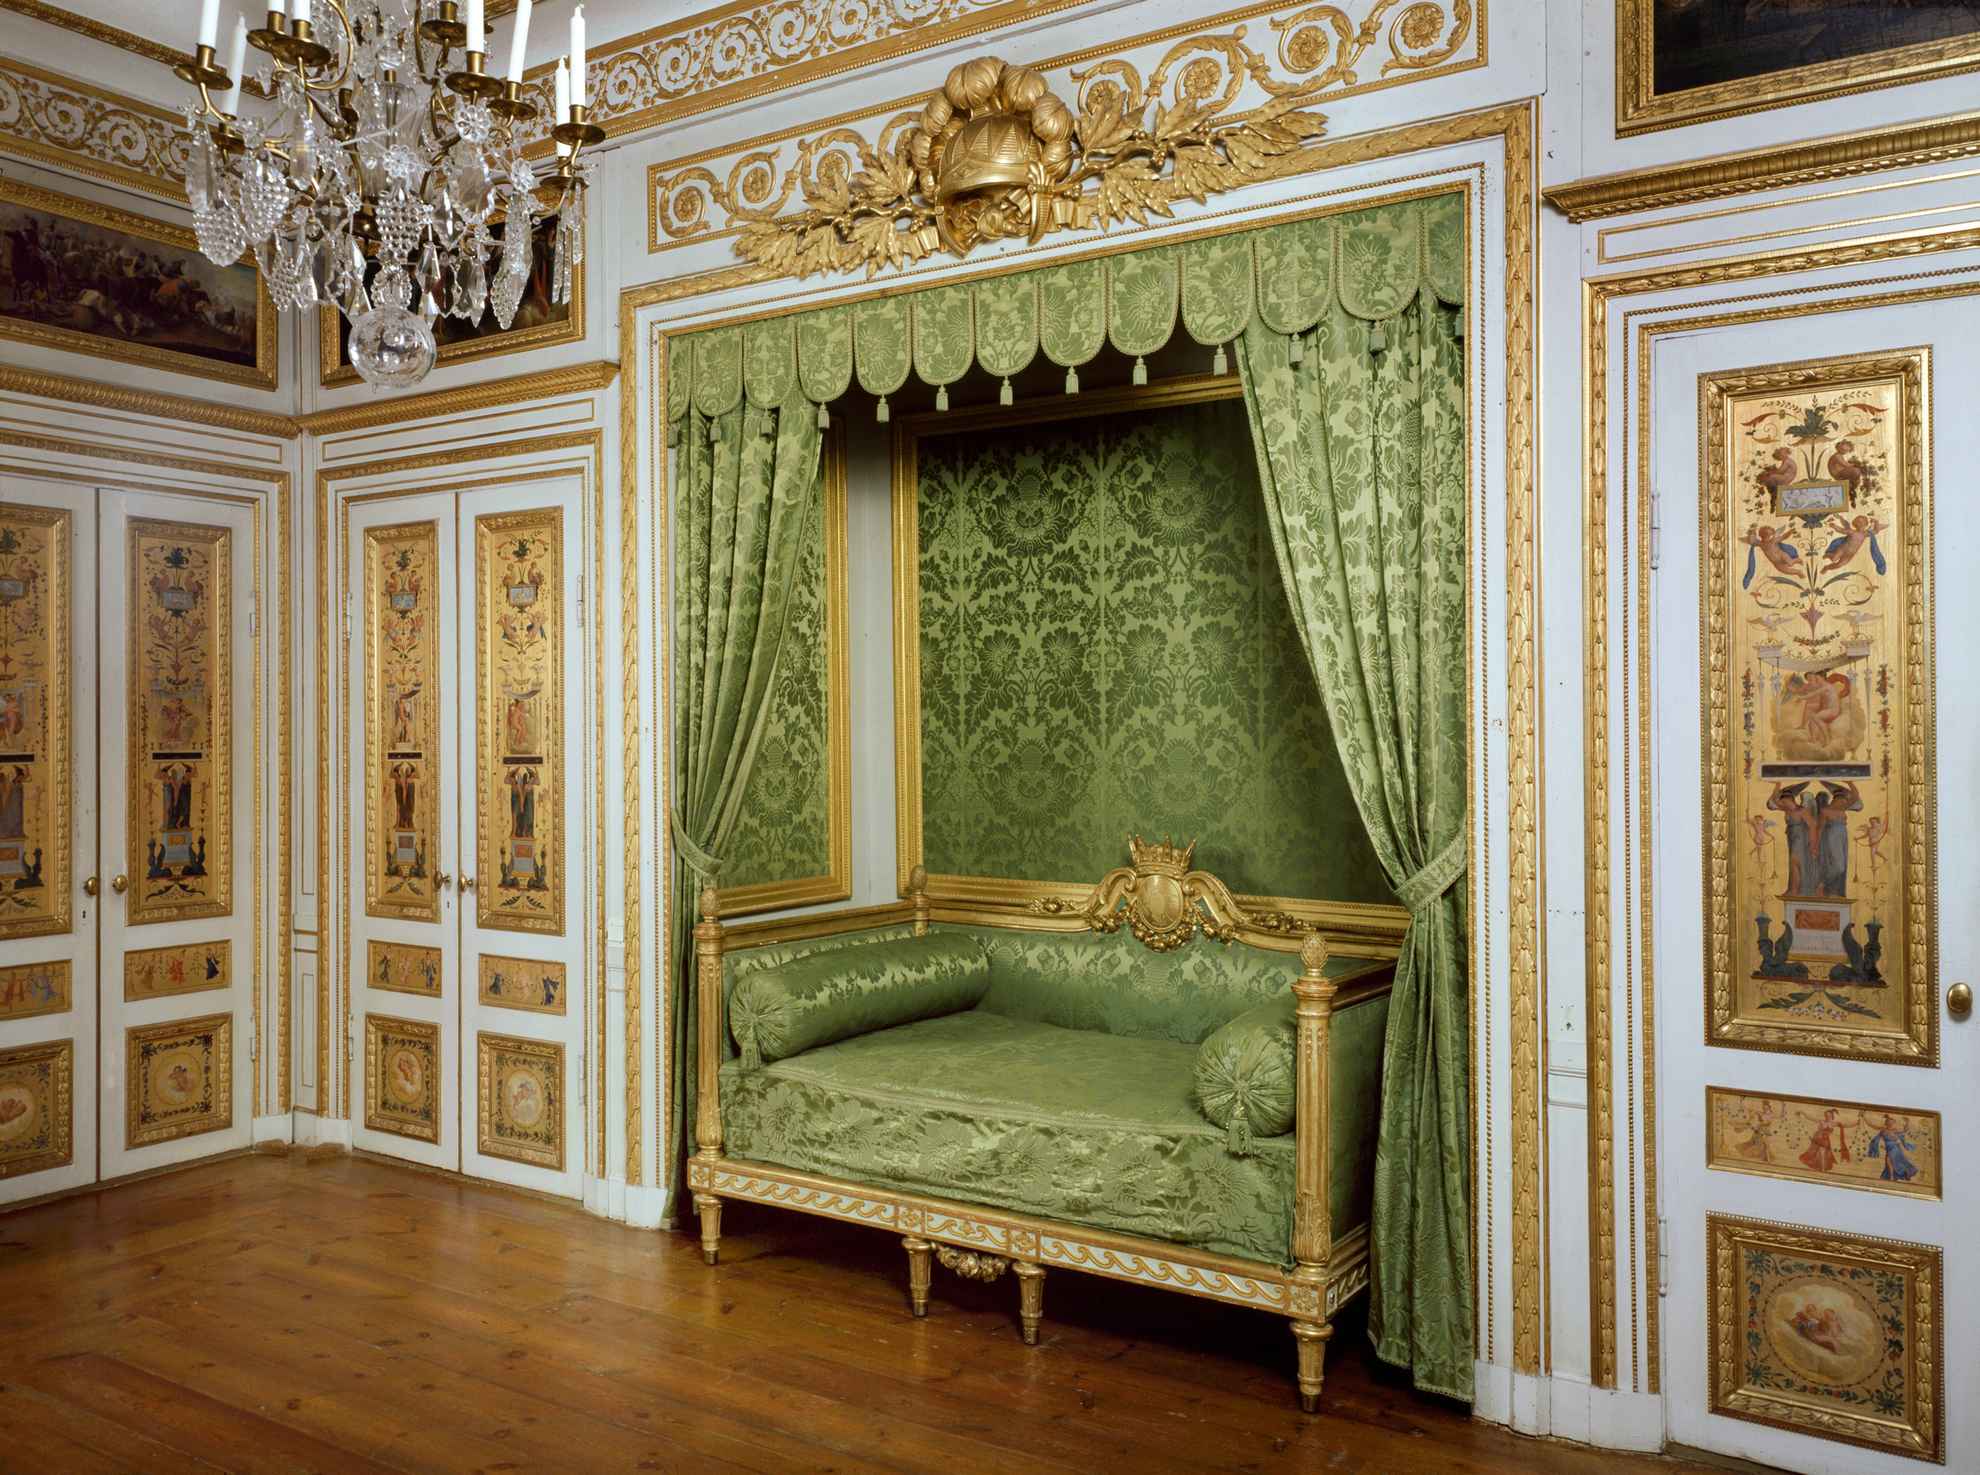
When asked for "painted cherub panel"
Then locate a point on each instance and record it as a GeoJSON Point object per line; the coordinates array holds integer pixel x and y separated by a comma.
{"type": "Point", "coordinates": [1815, 551]}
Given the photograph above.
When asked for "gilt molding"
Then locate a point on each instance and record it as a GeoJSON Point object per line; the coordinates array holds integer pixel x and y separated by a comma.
{"type": "Point", "coordinates": [1841, 156]}
{"type": "Point", "coordinates": [136, 45]}
{"type": "Point", "coordinates": [89, 130]}
{"type": "Point", "coordinates": [99, 395]}
{"type": "Point", "coordinates": [517, 389]}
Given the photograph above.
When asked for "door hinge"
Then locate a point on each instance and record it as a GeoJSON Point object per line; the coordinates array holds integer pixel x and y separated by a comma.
{"type": "Point", "coordinates": [1656, 529]}
{"type": "Point", "coordinates": [347, 616]}
{"type": "Point", "coordinates": [580, 594]}
{"type": "Point", "coordinates": [1663, 1257]}
{"type": "Point", "coordinates": [254, 615]}
{"type": "Point", "coordinates": [254, 1047]}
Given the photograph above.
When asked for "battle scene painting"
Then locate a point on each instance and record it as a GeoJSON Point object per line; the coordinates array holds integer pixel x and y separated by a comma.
{"type": "Point", "coordinates": [1815, 551]}
{"type": "Point", "coordinates": [94, 280]}
{"type": "Point", "coordinates": [1697, 43]}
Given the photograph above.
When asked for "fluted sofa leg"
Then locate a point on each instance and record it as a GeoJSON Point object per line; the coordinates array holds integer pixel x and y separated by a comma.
{"type": "Point", "coordinates": [921, 1270]}
{"type": "Point", "coordinates": [1311, 1339]}
{"type": "Point", "coordinates": [710, 1207]}
{"type": "Point", "coordinates": [1031, 1298]}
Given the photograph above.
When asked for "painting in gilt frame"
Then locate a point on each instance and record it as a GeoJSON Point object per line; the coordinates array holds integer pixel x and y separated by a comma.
{"type": "Point", "coordinates": [28, 990]}
{"type": "Point", "coordinates": [179, 1079]}
{"type": "Point", "coordinates": [523, 983]}
{"type": "Point", "coordinates": [181, 722]}
{"type": "Point", "coordinates": [401, 968]}
{"type": "Point", "coordinates": [156, 973]}
{"type": "Point", "coordinates": [35, 816]}
{"type": "Point", "coordinates": [1689, 61]}
{"type": "Point", "coordinates": [522, 1100]}
{"type": "Point", "coordinates": [1834, 1335]}
{"type": "Point", "coordinates": [402, 1077]}
{"type": "Point", "coordinates": [401, 720]}
{"type": "Point", "coordinates": [96, 280]}
{"type": "Point", "coordinates": [1847, 1144]}
{"type": "Point", "coordinates": [519, 572]}
{"type": "Point", "coordinates": [37, 1106]}
{"type": "Point", "coordinates": [1816, 551]}
{"type": "Point", "coordinates": [538, 323]}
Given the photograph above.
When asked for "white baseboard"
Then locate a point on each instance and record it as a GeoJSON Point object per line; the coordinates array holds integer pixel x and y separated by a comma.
{"type": "Point", "coordinates": [321, 1131]}
{"type": "Point", "coordinates": [1567, 1408]}
{"type": "Point", "coordinates": [1618, 1420]}
{"type": "Point", "coordinates": [278, 1128]}
{"type": "Point", "coordinates": [646, 1206]}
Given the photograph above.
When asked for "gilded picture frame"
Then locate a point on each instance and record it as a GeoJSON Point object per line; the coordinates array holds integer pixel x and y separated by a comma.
{"type": "Point", "coordinates": [1354, 929]}
{"type": "Point", "coordinates": [1816, 708]}
{"type": "Point", "coordinates": [835, 882]}
{"type": "Point", "coordinates": [1643, 106]}
{"type": "Point", "coordinates": [483, 338]}
{"type": "Point", "coordinates": [1838, 1336]}
{"type": "Point", "coordinates": [1815, 1139]}
{"type": "Point", "coordinates": [174, 245]}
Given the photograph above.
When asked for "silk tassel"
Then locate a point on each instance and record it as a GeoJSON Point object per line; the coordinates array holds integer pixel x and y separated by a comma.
{"type": "Point", "coordinates": [824, 418]}
{"type": "Point", "coordinates": [1004, 394]}
{"type": "Point", "coordinates": [1072, 380]}
{"type": "Point", "coordinates": [1220, 364]}
{"type": "Point", "coordinates": [880, 411]}
{"type": "Point", "coordinates": [1377, 339]}
{"type": "Point", "coordinates": [1140, 370]}
{"type": "Point", "coordinates": [1297, 354]}
{"type": "Point", "coordinates": [941, 397]}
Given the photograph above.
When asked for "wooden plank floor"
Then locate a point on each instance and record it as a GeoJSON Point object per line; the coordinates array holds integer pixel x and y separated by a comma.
{"type": "Point", "coordinates": [272, 1314]}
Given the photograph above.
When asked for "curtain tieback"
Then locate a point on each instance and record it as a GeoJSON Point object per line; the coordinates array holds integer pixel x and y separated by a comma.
{"type": "Point", "coordinates": [1433, 880]}
{"type": "Point", "coordinates": [699, 861]}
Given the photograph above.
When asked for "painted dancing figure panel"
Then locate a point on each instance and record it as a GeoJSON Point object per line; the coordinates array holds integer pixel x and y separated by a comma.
{"type": "Point", "coordinates": [401, 721]}
{"type": "Point", "coordinates": [523, 983]}
{"type": "Point", "coordinates": [30, 989]}
{"type": "Point", "coordinates": [1885, 1149]}
{"type": "Point", "coordinates": [35, 817]}
{"type": "Point", "coordinates": [520, 680]}
{"type": "Point", "coordinates": [401, 968]}
{"type": "Point", "coordinates": [181, 722]}
{"type": "Point", "coordinates": [1817, 720]}
{"type": "Point", "coordinates": [159, 972]}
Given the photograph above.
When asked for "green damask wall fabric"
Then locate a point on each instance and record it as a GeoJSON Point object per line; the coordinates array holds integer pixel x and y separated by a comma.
{"type": "Point", "coordinates": [1106, 649]}
{"type": "Point", "coordinates": [1360, 449]}
{"type": "Point", "coordinates": [746, 500]}
{"type": "Point", "coordinates": [776, 1013]}
{"type": "Point", "coordinates": [783, 828]}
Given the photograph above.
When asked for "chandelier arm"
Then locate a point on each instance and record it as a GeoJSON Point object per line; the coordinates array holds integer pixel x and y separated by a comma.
{"type": "Point", "coordinates": [350, 50]}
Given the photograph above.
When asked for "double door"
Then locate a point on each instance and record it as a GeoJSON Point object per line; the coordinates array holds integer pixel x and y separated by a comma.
{"type": "Point", "coordinates": [466, 861]}
{"type": "Point", "coordinates": [128, 883]}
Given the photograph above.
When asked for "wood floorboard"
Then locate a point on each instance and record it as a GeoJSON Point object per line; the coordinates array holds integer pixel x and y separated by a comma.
{"type": "Point", "coordinates": [282, 1314]}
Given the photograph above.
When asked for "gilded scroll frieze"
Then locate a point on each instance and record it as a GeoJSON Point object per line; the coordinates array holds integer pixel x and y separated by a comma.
{"type": "Point", "coordinates": [35, 813]}
{"type": "Point", "coordinates": [1885, 1149]}
{"type": "Point", "coordinates": [401, 721]}
{"type": "Point", "coordinates": [180, 1079]}
{"type": "Point", "coordinates": [180, 658]}
{"type": "Point", "coordinates": [401, 968]}
{"type": "Point", "coordinates": [156, 973]}
{"type": "Point", "coordinates": [37, 1106]}
{"type": "Point", "coordinates": [74, 125]}
{"type": "Point", "coordinates": [1832, 1335]}
{"type": "Point", "coordinates": [521, 1097]}
{"type": "Point", "coordinates": [1816, 546]}
{"type": "Point", "coordinates": [996, 153]}
{"type": "Point", "coordinates": [520, 680]}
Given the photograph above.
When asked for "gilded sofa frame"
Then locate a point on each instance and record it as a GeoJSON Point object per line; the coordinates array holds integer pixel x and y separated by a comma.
{"type": "Point", "coordinates": [1167, 905]}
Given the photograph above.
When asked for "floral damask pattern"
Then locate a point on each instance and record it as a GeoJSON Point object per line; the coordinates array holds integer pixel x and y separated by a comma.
{"type": "Point", "coordinates": [1106, 648]}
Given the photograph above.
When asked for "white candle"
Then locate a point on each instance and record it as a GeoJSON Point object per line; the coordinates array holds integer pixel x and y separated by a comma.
{"type": "Point", "coordinates": [209, 22]}
{"type": "Point", "coordinates": [580, 94]}
{"type": "Point", "coordinates": [298, 13]}
{"type": "Point", "coordinates": [476, 40]}
{"type": "Point", "coordinates": [519, 41]}
{"type": "Point", "coordinates": [236, 61]}
{"type": "Point", "coordinates": [278, 7]}
{"type": "Point", "coordinates": [563, 93]}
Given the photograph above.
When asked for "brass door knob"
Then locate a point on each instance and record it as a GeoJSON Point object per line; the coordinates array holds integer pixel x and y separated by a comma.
{"type": "Point", "coordinates": [442, 879]}
{"type": "Point", "coordinates": [120, 883]}
{"type": "Point", "coordinates": [1959, 1000]}
{"type": "Point", "coordinates": [89, 886]}
{"type": "Point", "coordinates": [467, 883]}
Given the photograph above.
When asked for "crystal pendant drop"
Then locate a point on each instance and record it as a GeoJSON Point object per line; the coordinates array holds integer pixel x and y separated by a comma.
{"type": "Point", "coordinates": [391, 348]}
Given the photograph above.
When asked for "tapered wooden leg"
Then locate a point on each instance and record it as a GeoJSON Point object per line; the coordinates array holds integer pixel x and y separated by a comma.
{"type": "Point", "coordinates": [1031, 1298]}
{"type": "Point", "coordinates": [711, 1225]}
{"type": "Point", "coordinates": [1311, 1339]}
{"type": "Point", "coordinates": [921, 1270]}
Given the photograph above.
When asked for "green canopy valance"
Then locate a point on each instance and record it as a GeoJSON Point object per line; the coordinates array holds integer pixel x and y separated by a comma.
{"type": "Point", "coordinates": [1372, 263]}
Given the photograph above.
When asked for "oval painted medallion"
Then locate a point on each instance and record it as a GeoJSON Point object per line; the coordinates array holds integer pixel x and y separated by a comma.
{"type": "Point", "coordinates": [20, 1112]}
{"type": "Point", "coordinates": [1825, 1331]}
{"type": "Point", "coordinates": [523, 1097]}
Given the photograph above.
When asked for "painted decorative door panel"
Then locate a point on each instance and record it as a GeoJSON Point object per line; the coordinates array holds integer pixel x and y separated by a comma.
{"type": "Point", "coordinates": [467, 891]}
{"type": "Point", "coordinates": [48, 951]}
{"type": "Point", "coordinates": [1822, 1277]}
{"type": "Point", "coordinates": [403, 832]}
{"type": "Point", "coordinates": [176, 697]}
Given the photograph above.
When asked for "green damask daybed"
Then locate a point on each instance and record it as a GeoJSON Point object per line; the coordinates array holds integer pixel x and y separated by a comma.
{"type": "Point", "coordinates": [1187, 1101]}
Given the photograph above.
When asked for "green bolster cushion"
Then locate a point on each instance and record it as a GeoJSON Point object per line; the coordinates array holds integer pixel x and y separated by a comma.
{"type": "Point", "coordinates": [815, 1000]}
{"type": "Point", "coordinates": [1244, 1073]}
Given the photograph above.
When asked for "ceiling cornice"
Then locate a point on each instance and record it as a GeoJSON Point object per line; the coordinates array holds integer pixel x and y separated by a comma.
{"type": "Point", "coordinates": [1874, 150]}
{"type": "Point", "coordinates": [109, 35]}
{"type": "Point", "coordinates": [102, 396]}
{"type": "Point", "coordinates": [516, 389]}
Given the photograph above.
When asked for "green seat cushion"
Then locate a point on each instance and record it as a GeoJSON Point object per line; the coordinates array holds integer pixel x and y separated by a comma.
{"type": "Point", "coordinates": [1074, 1125]}
{"type": "Point", "coordinates": [813, 1000]}
{"type": "Point", "coordinates": [1244, 1073]}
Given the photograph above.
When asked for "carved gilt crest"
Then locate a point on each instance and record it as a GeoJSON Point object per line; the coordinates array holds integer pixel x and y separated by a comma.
{"type": "Point", "coordinates": [1164, 903]}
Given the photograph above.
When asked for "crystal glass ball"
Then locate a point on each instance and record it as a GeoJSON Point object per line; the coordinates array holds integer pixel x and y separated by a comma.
{"type": "Point", "coordinates": [391, 348]}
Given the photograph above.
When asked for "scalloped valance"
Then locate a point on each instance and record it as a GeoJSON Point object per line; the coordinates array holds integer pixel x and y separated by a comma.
{"type": "Point", "coordinates": [1373, 263]}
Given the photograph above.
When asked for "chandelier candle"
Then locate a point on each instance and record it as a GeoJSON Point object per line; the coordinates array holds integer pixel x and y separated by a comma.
{"type": "Point", "coordinates": [209, 23]}
{"type": "Point", "coordinates": [377, 176]}
{"type": "Point", "coordinates": [580, 94]}
{"type": "Point", "coordinates": [519, 41]}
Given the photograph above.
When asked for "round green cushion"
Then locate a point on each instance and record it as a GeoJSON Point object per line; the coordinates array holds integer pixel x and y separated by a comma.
{"type": "Point", "coordinates": [1244, 1073]}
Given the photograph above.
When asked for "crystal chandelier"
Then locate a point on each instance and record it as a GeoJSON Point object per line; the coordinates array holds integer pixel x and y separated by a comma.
{"type": "Point", "coordinates": [385, 176]}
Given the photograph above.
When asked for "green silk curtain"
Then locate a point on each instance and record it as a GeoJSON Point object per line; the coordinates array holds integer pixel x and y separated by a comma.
{"type": "Point", "coordinates": [1361, 455]}
{"type": "Point", "coordinates": [747, 494]}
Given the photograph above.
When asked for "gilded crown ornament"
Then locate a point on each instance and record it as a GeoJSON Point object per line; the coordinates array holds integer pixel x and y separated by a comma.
{"type": "Point", "coordinates": [1164, 903]}
{"type": "Point", "coordinates": [995, 155]}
